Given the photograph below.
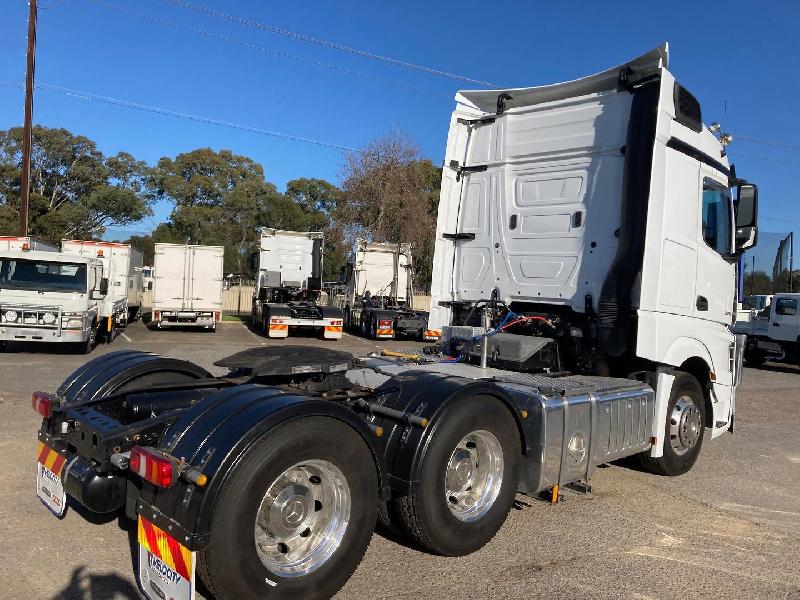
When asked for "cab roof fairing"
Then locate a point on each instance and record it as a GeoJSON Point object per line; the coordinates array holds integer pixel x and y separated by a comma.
{"type": "Point", "coordinates": [486, 100]}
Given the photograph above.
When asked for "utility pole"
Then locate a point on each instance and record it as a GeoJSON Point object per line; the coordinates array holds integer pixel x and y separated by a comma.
{"type": "Point", "coordinates": [27, 141]}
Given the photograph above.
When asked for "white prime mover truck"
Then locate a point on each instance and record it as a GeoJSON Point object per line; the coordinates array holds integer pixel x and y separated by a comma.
{"type": "Point", "coordinates": [50, 297]}
{"type": "Point", "coordinates": [379, 296]}
{"type": "Point", "coordinates": [288, 285]}
{"type": "Point", "coordinates": [584, 284]}
{"type": "Point", "coordinates": [187, 286]}
{"type": "Point", "coordinates": [123, 265]}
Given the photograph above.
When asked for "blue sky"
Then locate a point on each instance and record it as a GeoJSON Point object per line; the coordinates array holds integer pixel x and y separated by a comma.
{"type": "Point", "coordinates": [739, 52]}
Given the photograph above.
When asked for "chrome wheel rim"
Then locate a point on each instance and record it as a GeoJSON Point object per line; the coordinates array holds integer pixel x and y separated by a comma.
{"type": "Point", "coordinates": [685, 425]}
{"type": "Point", "coordinates": [302, 518]}
{"type": "Point", "coordinates": [474, 475]}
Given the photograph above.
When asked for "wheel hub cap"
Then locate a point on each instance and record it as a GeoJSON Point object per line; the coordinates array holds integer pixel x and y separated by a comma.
{"type": "Point", "coordinates": [474, 475]}
{"type": "Point", "coordinates": [302, 518]}
{"type": "Point", "coordinates": [685, 425]}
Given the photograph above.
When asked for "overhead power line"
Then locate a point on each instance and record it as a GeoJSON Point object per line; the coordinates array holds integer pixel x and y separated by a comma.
{"type": "Point", "coordinates": [785, 145]}
{"type": "Point", "coordinates": [83, 95]}
{"type": "Point", "coordinates": [779, 220]}
{"type": "Point", "coordinates": [325, 43]}
{"type": "Point", "coordinates": [278, 53]}
{"type": "Point", "coordinates": [766, 158]}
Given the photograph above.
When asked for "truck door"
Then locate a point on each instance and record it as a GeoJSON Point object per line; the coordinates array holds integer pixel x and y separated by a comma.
{"type": "Point", "coordinates": [170, 278]}
{"type": "Point", "coordinates": [205, 278]}
{"type": "Point", "coordinates": [539, 201]}
{"type": "Point", "coordinates": [784, 321]}
{"type": "Point", "coordinates": [715, 275]}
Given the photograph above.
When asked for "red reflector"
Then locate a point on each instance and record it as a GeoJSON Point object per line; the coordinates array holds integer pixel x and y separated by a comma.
{"type": "Point", "coordinates": [42, 403]}
{"type": "Point", "coordinates": [152, 466]}
{"type": "Point", "coordinates": [156, 315]}
{"type": "Point", "coordinates": [218, 316]}
{"type": "Point", "coordinates": [385, 324]}
{"type": "Point", "coordinates": [335, 323]}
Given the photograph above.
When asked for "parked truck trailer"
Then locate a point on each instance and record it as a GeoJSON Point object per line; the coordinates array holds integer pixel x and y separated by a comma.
{"type": "Point", "coordinates": [26, 243]}
{"type": "Point", "coordinates": [585, 302]}
{"type": "Point", "coordinates": [379, 298]}
{"type": "Point", "coordinates": [187, 286]}
{"type": "Point", "coordinates": [288, 285]}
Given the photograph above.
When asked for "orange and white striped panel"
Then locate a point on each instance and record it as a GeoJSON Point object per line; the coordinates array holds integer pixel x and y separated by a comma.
{"type": "Point", "coordinates": [432, 334]}
{"type": "Point", "coordinates": [163, 546]}
{"type": "Point", "coordinates": [52, 460]}
{"type": "Point", "coordinates": [278, 330]}
{"type": "Point", "coordinates": [333, 332]}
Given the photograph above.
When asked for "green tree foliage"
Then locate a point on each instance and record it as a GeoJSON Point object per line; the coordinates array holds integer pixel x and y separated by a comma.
{"type": "Point", "coordinates": [757, 282]}
{"type": "Point", "coordinates": [76, 191]}
{"type": "Point", "coordinates": [222, 198]}
{"type": "Point", "coordinates": [391, 194]}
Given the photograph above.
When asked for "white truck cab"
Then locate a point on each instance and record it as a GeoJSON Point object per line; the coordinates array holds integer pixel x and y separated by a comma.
{"type": "Point", "coordinates": [50, 297]}
{"type": "Point", "coordinates": [776, 337]}
{"type": "Point", "coordinates": [603, 212]}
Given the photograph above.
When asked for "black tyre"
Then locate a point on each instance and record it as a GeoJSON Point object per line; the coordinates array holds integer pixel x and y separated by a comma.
{"type": "Point", "coordinates": [296, 515]}
{"type": "Point", "coordinates": [362, 325]}
{"type": "Point", "coordinates": [683, 431]}
{"type": "Point", "coordinates": [3, 346]}
{"type": "Point", "coordinates": [87, 346]}
{"type": "Point", "coordinates": [754, 358]}
{"type": "Point", "coordinates": [468, 479]}
{"type": "Point", "coordinates": [373, 328]}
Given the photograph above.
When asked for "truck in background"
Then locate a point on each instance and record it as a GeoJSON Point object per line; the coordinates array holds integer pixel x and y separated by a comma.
{"type": "Point", "coordinates": [775, 335]}
{"type": "Point", "coordinates": [46, 296]}
{"type": "Point", "coordinates": [585, 283]}
{"type": "Point", "coordinates": [120, 262]}
{"type": "Point", "coordinates": [379, 295]}
{"type": "Point", "coordinates": [12, 242]}
{"type": "Point", "coordinates": [289, 283]}
{"type": "Point", "coordinates": [187, 289]}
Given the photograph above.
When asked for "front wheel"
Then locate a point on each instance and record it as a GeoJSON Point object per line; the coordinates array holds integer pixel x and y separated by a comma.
{"type": "Point", "coordinates": [468, 479]}
{"type": "Point", "coordinates": [683, 430]}
{"type": "Point", "coordinates": [296, 516]}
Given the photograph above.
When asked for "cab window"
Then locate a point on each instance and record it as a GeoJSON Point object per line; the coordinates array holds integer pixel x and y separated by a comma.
{"type": "Point", "coordinates": [717, 216]}
{"type": "Point", "coordinates": [786, 306]}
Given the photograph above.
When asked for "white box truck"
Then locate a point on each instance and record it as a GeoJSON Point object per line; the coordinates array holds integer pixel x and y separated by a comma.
{"type": "Point", "coordinates": [187, 286]}
{"type": "Point", "coordinates": [379, 295]}
{"type": "Point", "coordinates": [120, 267]}
{"type": "Point", "coordinates": [584, 280]}
{"type": "Point", "coordinates": [50, 297]}
{"type": "Point", "coordinates": [288, 285]}
{"type": "Point", "coordinates": [776, 334]}
{"type": "Point", "coordinates": [12, 242]}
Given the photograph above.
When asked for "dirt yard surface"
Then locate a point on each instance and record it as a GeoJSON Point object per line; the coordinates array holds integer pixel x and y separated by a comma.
{"type": "Point", "coordinates": [729, 528]}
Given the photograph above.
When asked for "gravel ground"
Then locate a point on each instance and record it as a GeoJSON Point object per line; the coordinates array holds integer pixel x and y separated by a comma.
{"type": "Point", "coordinates": [729, 528]}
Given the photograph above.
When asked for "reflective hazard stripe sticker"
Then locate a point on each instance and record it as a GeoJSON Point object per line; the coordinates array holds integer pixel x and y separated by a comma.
{"type": "Point", "coordinates": [51, 459]}
{"type": "Point", "coordinates": [166, 548]}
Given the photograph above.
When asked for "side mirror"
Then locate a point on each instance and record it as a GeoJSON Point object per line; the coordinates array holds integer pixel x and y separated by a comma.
{"type": "Point", "coordinates": [262, 294]}
{"type": "Point", "coordinates": [254, 262]}
{"type": "Point", "coordinates": [149, 286]}
{"type": "Point", "coordinates": [103, 287]}
{"type": "Point", "coordinates": [746, 216]}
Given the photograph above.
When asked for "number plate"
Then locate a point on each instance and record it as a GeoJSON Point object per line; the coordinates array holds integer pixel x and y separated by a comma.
{"type": "Point", "coordinates": [48, 480]}
{"type": "Point", "coordinates": [166, 567]}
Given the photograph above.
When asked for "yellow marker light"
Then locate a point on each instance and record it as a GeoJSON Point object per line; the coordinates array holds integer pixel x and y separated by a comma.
{"type": "Point", "coordinates": [379, 431]}
{"type": "Point", "coordinates": [424, 422]}
{"type": "Point", "coordinates": [202, 479]}
{"type": "Point", "coordinates": [523, 414]}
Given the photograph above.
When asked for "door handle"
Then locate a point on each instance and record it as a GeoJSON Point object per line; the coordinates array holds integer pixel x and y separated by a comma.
{"type": "Point", "coordinates": [702, 303]}
{"type": "Point", "coordinates": [512, 222]}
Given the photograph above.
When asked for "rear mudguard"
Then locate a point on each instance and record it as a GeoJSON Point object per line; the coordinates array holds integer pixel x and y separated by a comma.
{"type": "Point", "coordinates": [430, 396]}
{"type": "Point", "coordinates": [127, 369]}
{"type": "Point", "coordinates": [213, 435]}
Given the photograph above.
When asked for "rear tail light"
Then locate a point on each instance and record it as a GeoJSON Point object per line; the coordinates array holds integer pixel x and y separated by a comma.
{"type": "Point", "coordinates": [153, 466]}
{"type": "Point", "coordinates": [42, 403]}
{"type": "Point", "coordinates": [26, 247]}
{"type": "Point", "coordinates": [385, 324]}
{"type": "Point", "coordinates": [156, 315]}
{"type": "Point", "coordinates": [217, 316]}
{"type": "Point", "coordinates": [336, 323]}
{"type": "Point", "coordinates": [276, 321]}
